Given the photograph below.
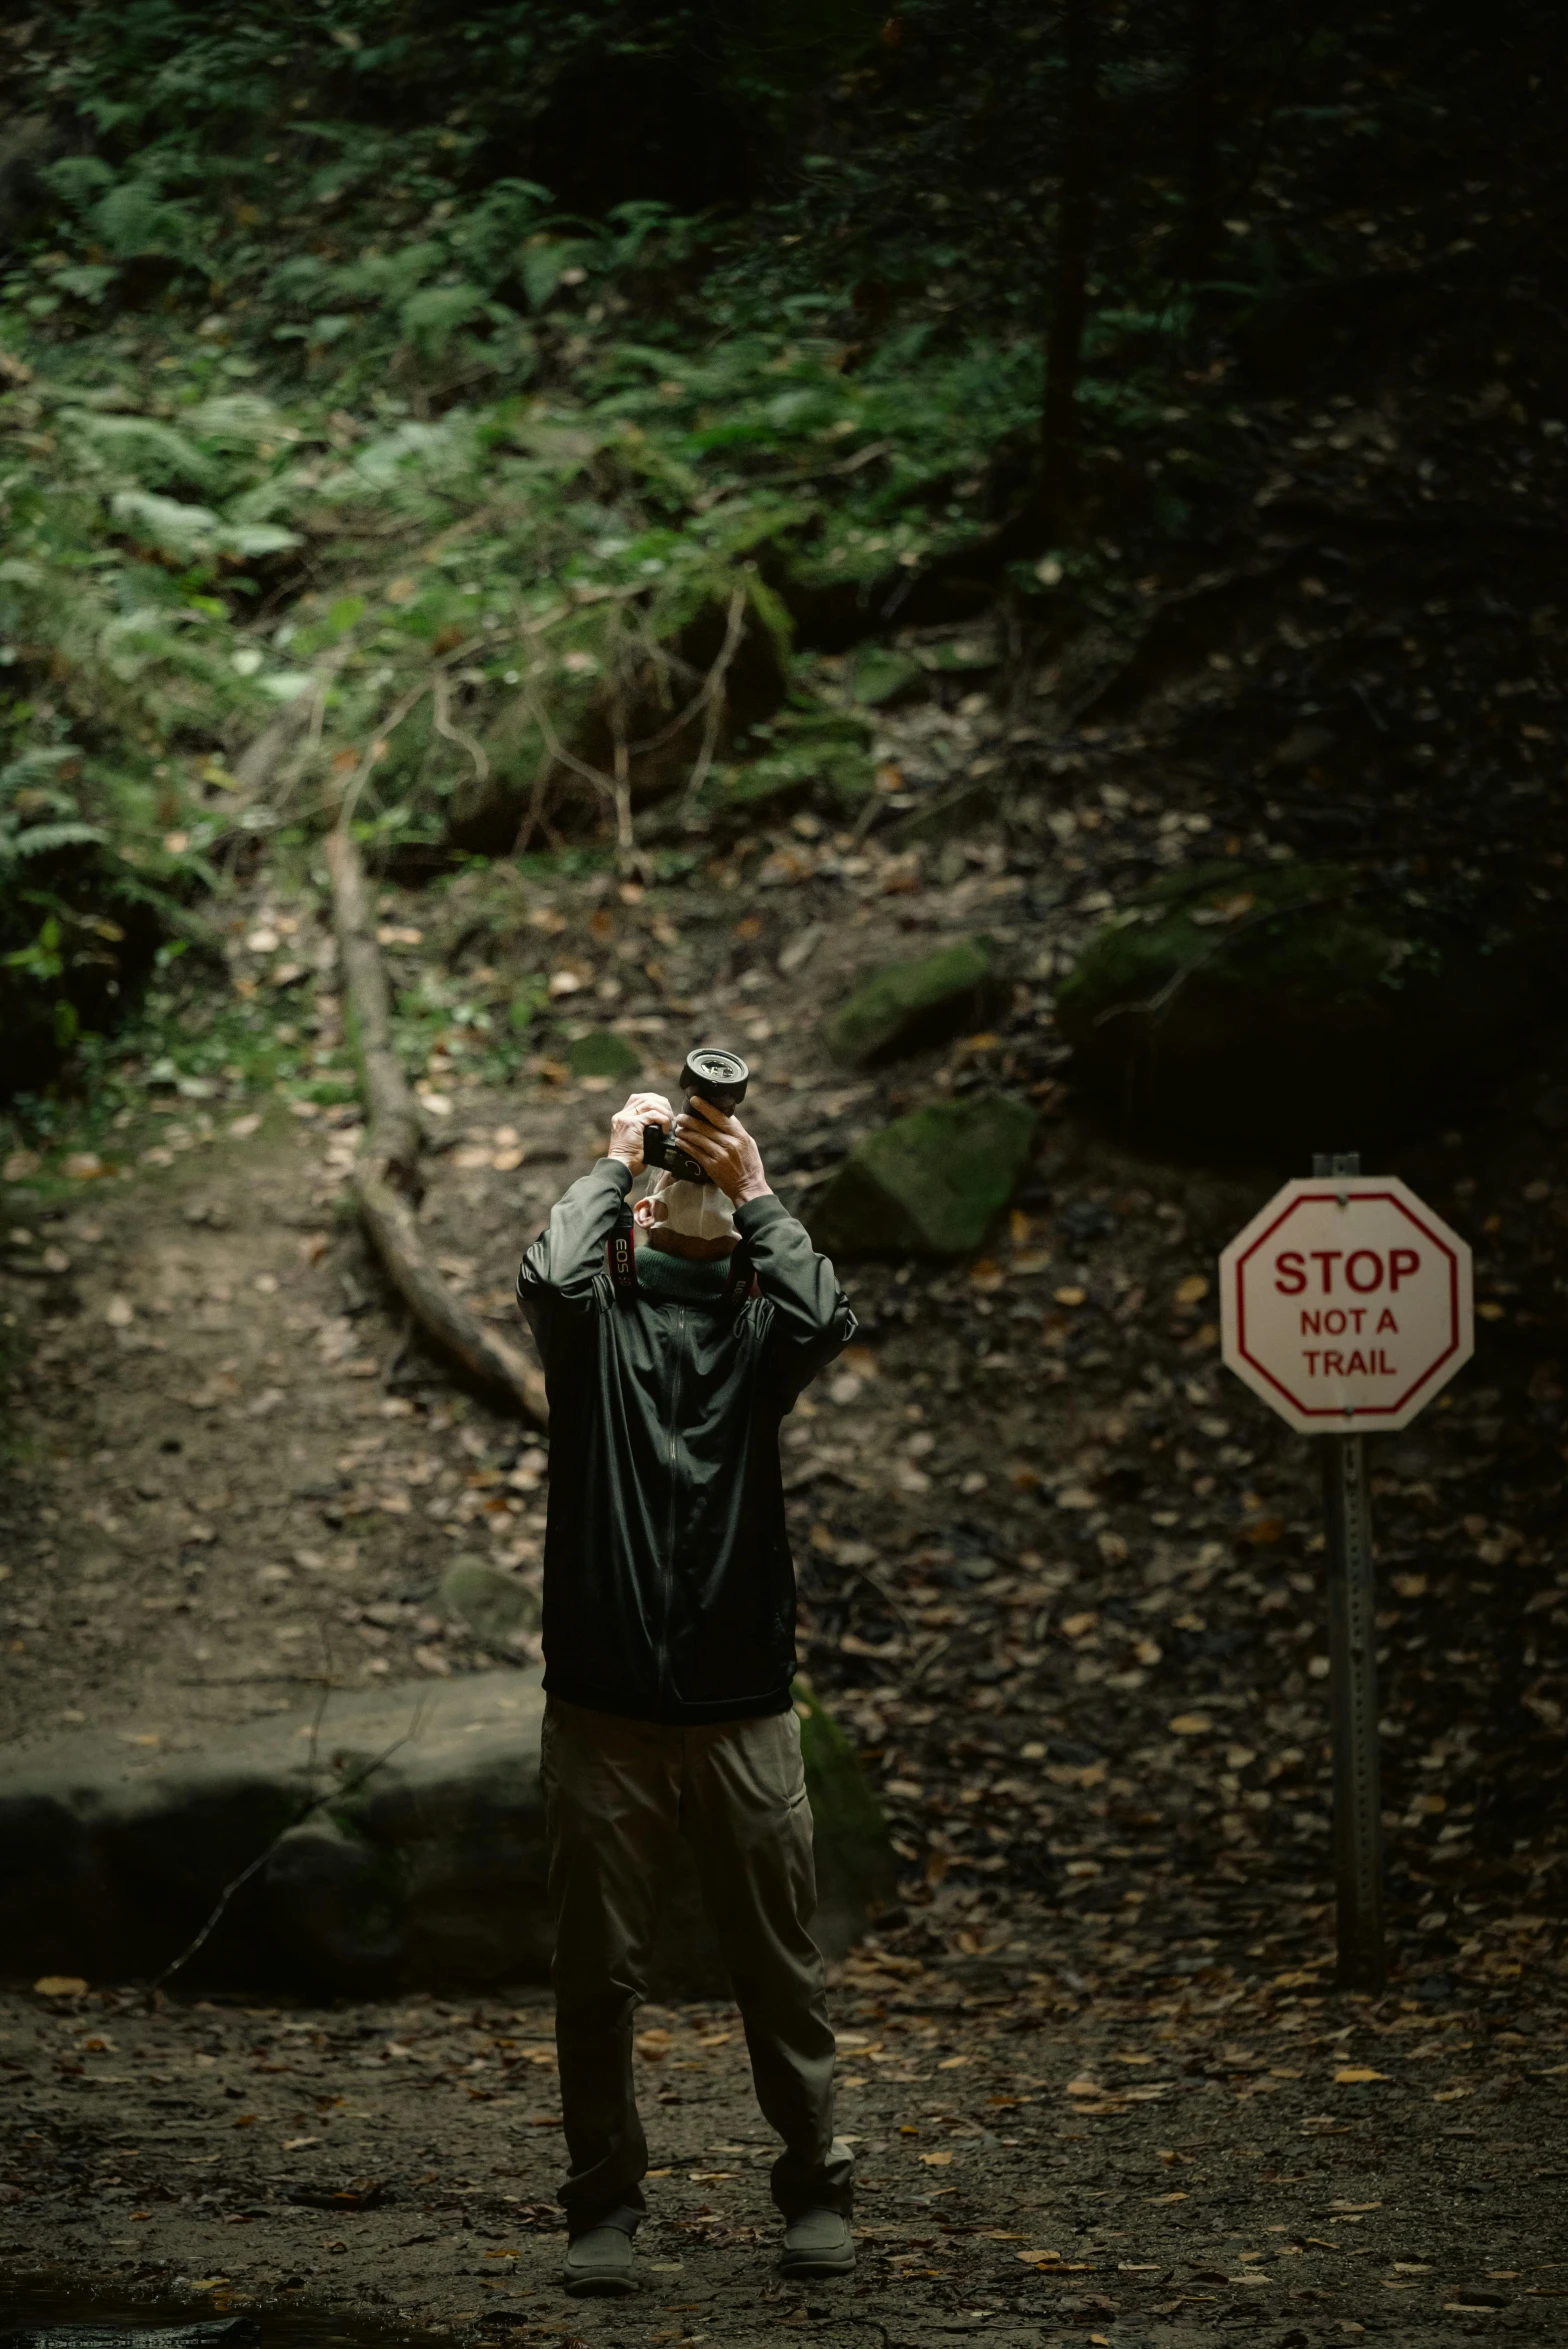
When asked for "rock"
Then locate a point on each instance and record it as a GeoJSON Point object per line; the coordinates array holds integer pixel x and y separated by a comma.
{"type": "Point", "coordinates": [491, 1603]}
{"type": "Point", "coordinates": [1288, 1009]}
{"type": "Point", "coordinates": [601, 1053]}
{"type": "Point", "coordinates": [911, 1004]}
{"type": "Point", "coordinates": [930, 1184]}
{"type": "Point", "coordinates": [855, 1871]}
{"type": "Point", "coordinates": [404, 1843]}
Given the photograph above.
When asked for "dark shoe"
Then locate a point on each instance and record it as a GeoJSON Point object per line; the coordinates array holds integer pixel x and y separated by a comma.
{"type": "Point", "coordinates": [599, 2261]}
{"type": "Point", "coordinates": [820, 2244]}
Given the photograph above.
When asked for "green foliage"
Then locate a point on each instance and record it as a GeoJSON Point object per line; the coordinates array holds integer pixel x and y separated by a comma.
{"type": "Point", "coordinates": [345, 359]}
{"type": "Point", "coordinates": [79, 915]}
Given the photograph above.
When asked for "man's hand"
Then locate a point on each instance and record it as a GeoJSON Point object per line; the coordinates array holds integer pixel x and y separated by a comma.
{"type": "Point", "coordinates": [643, 1109]}
{"type": "Point", "coordinates": [724, 1150]}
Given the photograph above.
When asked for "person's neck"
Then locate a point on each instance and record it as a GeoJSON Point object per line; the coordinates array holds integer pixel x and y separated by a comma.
{"type": "Point", "coordinates": [664, 1274]}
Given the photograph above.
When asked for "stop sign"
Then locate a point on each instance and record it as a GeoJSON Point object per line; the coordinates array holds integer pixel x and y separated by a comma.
{"type": "Point", "coordinates": [1346, 1304]}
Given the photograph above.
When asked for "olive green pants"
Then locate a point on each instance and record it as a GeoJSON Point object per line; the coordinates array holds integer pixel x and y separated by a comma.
{"type": "Point", "coordinates": [617, 1794]}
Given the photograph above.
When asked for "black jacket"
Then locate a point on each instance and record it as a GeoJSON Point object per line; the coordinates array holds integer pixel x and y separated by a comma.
{"type": "Point", "coordinates": [669, 1590]}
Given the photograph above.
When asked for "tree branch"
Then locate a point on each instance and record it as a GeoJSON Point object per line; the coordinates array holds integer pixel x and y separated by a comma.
{"type": "Point", "coordinates": [385, 1175]}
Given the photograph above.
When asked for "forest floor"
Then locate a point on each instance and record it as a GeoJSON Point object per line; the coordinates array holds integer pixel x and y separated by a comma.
{"type": "Point", "coordinates": [1035, 2166]}
{"type": "Point", "coordinates": [1061, 1576]}
{"type": "Point", "coordinates": [1060, 1580]}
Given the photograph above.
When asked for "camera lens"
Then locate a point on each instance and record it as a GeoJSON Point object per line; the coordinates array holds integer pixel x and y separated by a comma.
{"type": "Point", "coordinates": [717, 1075]}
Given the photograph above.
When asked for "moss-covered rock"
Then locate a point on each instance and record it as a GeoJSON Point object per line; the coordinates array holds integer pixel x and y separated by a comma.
{"type": "Point", "coordinates": [910, 1004]}
{"type": "Point", "coordinates": [930, 1184]}
{"type": "Point", "coordinates": [1290, 1007]}
{"type": "Point", "coordinates": [405, 1844]}
{"type": "Point", "coordinates": [601, 1053]}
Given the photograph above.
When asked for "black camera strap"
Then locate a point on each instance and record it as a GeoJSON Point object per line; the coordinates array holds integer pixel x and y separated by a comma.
{"type": "Point", "coordinates": [741, 1278]}
{"type": "Point", "coordinates": [622, 1253]}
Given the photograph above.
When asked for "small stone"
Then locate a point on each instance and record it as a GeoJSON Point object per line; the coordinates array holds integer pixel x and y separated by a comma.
{"type": "Point", "coordinates": [492, 1603]}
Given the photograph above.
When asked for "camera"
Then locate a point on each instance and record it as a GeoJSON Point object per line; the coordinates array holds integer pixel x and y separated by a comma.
{"type": "Point", "coordinates": [720, 1078]}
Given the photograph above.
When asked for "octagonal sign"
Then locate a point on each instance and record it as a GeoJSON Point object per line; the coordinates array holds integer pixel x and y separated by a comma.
{"type": "Point", "coordinates": [1346, 1304]}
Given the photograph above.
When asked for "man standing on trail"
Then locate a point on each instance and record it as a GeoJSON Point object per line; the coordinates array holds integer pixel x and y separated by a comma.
{"type": "Point", "coordinates": [669, 1640]}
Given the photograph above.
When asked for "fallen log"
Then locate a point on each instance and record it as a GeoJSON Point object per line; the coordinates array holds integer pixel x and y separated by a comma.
{"type": "Point", "coordinates": [386, 1174]}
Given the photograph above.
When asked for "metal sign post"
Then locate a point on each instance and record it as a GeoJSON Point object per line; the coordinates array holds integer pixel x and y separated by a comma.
{"type": "Point", "coordinates": [1346, 1304]}
{"type": "Point", "coordinates": [1352, 1652]}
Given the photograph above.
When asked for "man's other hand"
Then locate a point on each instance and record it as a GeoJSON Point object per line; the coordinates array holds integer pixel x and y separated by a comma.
{"type": "Point", "coordinates": [724, 1150]}
{"type": "Point", "coordinates": [643, 1109]}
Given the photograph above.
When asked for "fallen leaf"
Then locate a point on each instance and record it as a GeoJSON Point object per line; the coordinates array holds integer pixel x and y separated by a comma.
{"type": "Point", "coordinates": [60, 1986]}
{"type": "Point", "coordinates": [1348, 2074]}
{"type": "Point", "coordinates": [936, 2161]}
{"type": "Point", "coordinates": [1190, 1291]}
{"type": "Point", "coordinates": [1190, 1725]}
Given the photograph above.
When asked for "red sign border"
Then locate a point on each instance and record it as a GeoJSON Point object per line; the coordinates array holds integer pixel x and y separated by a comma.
{"type": "Point", "coordinates": [1341, 1195]}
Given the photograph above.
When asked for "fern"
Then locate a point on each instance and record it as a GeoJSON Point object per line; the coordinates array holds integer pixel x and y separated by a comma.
{"type": "Point", "coordinates": [39, 839]}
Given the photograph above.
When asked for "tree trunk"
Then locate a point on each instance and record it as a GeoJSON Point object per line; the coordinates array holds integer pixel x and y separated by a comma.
{"type": "Point", "coordinates": [1064, 344]}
